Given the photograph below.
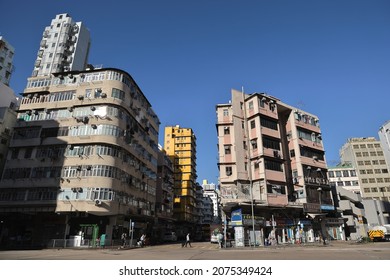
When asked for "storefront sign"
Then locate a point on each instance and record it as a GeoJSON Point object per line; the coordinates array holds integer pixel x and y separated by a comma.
{"type": "Point", "coordinates": [236, 218]}
{"type": "Point", "coordinates": [281, 222]}
{"type": "Point", "coordinates": [247, 220]}
{"type": "Point", "coordinates": [311, 207]}
{"type": "Point", "coordinates": [334, 221]}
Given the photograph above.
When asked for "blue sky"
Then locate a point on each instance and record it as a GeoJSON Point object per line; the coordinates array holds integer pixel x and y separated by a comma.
{"type": "Point", "coordinates": [330, 58]}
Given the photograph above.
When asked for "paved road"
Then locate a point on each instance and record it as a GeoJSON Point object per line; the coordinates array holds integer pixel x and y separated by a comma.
{"type": "Point", "coordinates": [207, 251]}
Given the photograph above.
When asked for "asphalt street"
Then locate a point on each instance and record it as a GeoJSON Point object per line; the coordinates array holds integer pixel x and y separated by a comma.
{"type": "Point", "coordinates": [207, 251]}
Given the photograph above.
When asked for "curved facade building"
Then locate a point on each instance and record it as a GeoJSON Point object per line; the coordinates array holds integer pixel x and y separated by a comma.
{"type": "Point", "coordinates": [82, 159]}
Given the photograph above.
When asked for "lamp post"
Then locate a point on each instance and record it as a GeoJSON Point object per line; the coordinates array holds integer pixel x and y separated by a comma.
{"type": "Point", "coordinates": [321, 219]}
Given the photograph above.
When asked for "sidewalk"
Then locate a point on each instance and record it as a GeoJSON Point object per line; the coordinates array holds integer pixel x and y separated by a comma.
{"type": "Point", "coordinates": [333, 243]}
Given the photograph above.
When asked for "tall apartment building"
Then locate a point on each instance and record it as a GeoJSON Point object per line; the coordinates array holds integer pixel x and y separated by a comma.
{"type": "Point", "coordinates": [83, 156]}
{"type": "Point", "coordinates": [82, 160]}
{"type": "Point", "coordinates": [7, 52]}
{"type": "Point", "coordinates": [9, 102]}
{"type": "Point", "coordinates": [164, 195]}
{"type": "Point", "coordinates": [273, 174]}
{"type": "Point", "coordinates": [64, 47]}
{"type": "Point", "coordinates": [180, 145]}
{"type": "Point", "coordinates": [384, 138]}
{"type": "Point", "coordinates": [367, 157]}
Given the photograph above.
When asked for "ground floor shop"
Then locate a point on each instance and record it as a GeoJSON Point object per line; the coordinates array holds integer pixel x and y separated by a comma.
{"type": "Point", "coordinates": [280, 226]}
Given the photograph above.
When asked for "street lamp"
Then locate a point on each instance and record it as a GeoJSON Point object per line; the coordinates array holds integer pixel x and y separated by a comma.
{"type": "Point", "coordinates": [320, 216]}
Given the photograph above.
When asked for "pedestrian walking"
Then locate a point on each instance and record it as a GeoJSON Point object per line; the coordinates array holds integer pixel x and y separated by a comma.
{"type": "Point", "coordinates": [123, 238]}
{"type": "Point", "coordinates": [188, 241]}
{"type": "Point", "coordinates": [103, 240]}
{"type": "Point", "coordinates": [220, 239]}
{"type": "Point", "coordinates": [142, 240]}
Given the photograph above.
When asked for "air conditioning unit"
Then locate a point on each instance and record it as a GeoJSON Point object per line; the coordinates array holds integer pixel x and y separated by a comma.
{"type": "Point", "coordinates": [103, 95]}
{"type": "Point", "coordinates": [80, 97]}
{"type": "Point", "coordinates": [98, 202]}
{"type": "Point", "coordinates": [93, 108]}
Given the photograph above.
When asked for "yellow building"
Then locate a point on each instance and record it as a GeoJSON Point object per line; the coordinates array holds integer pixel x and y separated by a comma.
{"type": "Point", "coordinates": [180, 145]}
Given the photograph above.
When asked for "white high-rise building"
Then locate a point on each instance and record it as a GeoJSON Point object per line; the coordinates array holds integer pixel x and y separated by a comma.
{"type": "Point", "coordinates": [210, 191]}
{"type": "Point", "coordinates": [6, 65]}
{"type": "Point", "coordinates": [64, 47]}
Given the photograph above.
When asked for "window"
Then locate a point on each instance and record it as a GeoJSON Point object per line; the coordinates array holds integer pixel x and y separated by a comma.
{"type": "Point", "coordinates": [273, 165]}
{"type": "Point", "coordinates": [345, 173]}
{"type": "Point", "coordinates": [226, 130]}
{"type": "Point", "coordinates": [228, 170]}
{"type": "Point", "coordinates": [358, 154]}
{"type": "Point", "coordinates": [254, 144]}
{"type": "Point", "coordinates": [370, 171]}
{"type": "Point", "coordinates": [14, 153]}
{"type": "Point", "coordinates": [250, 105]}
{"type": "Point", "coordinates": [227, 149]}
{"type": "Point", "coordinates": [340, 183]}
{"type": "Point", "coordinates": [225, 112]}
{"type": "Point", "coordinates": [271, 143]}
{"type": "Point", "coordinates": [385, 171]}
{"type": "Point", "coordinates": [331, 174]}
{"type": "Point", "coordinates": [261, 102]}
{"type": "Point", "coordinates": [338, 174]}
{"type": "Point", "coordinates": [28, 152]}
{"type": "Point", "coordinates": [271, 124]}
{"type": "Point", "coordinates": [364, 181]}
{"type": "Point", "coordinates": [362, 146]}
{"type": "Point", "coordinates": [117, 93]}
{"type": "Point", "coordinates": [253, 124]}
{"type": "Point", "coordinates": [348, 183]}
{"type": "Point", "coordinates": [362, 171]}
{"type": "Point", "coordinates": [353, 173]}
{"type": "Point", "coordinates": [276, 189]}
{"type": "Point", "coordinates": [373, 154]}
{"type": "Point", "coordinates": [366, 190]}
{"type": "Point", "coordinates": [367, 162]}
{"type": "Point", "coordinates": [360, 162]}
{"type": "Point", "coordinates": [365, 154]}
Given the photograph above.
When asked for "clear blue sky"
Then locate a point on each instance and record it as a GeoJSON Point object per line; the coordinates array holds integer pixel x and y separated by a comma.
{"type": "Point", "coordinates": [330, 58]}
